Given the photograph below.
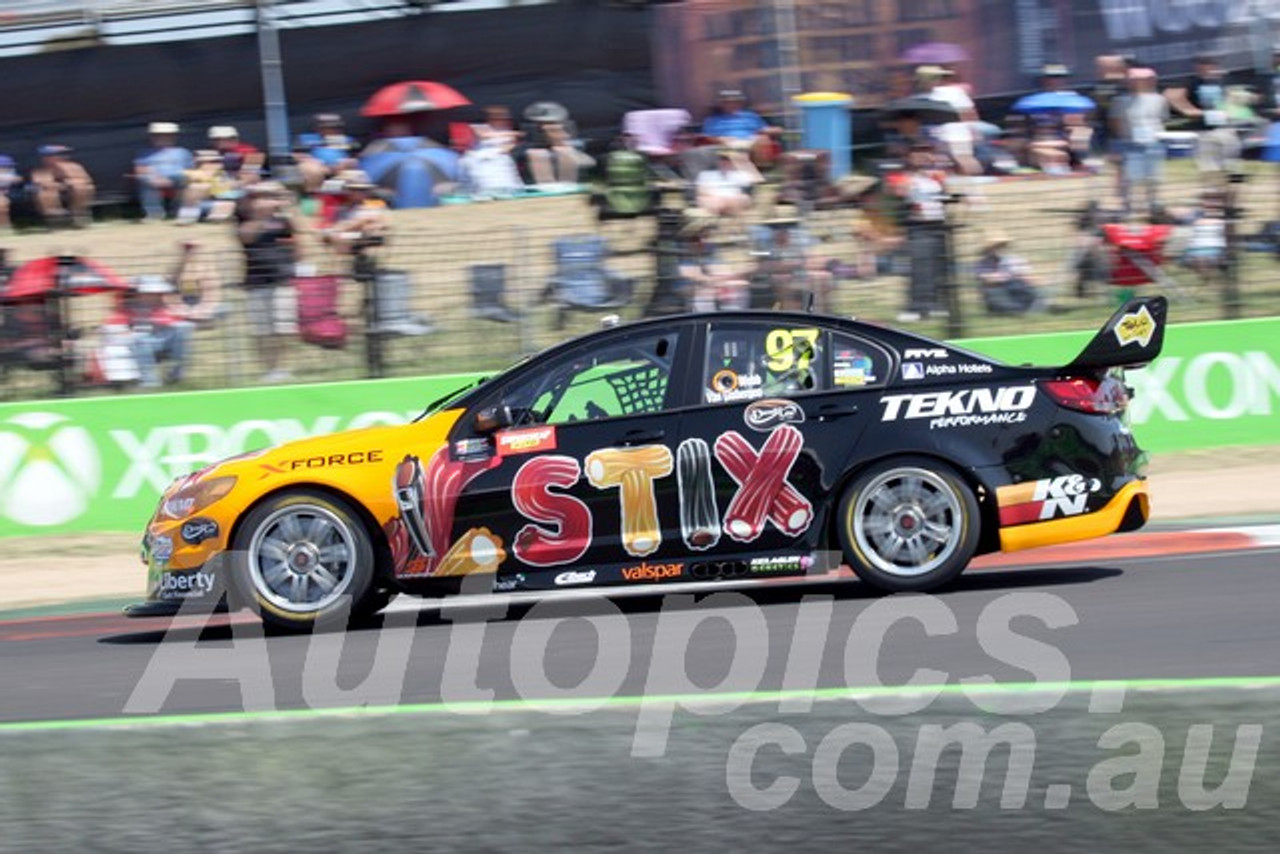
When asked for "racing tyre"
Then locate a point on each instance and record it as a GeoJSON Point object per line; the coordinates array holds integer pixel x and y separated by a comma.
{"type": "Point", "coordinates": [908, 524]}
{"type": "Point", "coordinates": [304, 559]}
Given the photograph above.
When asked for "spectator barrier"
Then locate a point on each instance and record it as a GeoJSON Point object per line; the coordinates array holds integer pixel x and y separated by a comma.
{"type": "Point", "coordinates": [100, 464]}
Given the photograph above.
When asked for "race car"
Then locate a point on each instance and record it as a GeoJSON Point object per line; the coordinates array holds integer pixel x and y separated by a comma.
{"type": "Point", "coordinates": [700, 447]}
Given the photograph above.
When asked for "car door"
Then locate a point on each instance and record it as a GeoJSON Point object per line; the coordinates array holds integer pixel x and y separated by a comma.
{"type": "Point", "coordinates": [784, 402]}
{"type": "Point", "coordinates": [576, 485]}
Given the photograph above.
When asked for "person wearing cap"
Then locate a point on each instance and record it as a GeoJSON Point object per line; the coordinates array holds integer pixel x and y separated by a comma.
{"type": "Point", "coordinates": [360, 219]}
{"type": "Point", "coordinates": [210, 192]}
{"type": "Point", "coordinates": [155, 332]}
{"type": "Point", "coordinates": [725, 188]}
{"type": "Point", "coordinates": [9, 179]}
{"type": "Point", "coordinates": [160, 171]}
{"type": "Point", "coordinates": [553, 152]}
{"type": "Point", "coordinates": [237, 155]}
{"type": "Point", "coordinates": [1053, 136]}
{"type": "Point", "coordinates": [705, 280]}
{"type": "Point", "coordinates": [267, 234]}
{"type": "Point", "coordinates": [324, 151]}
{"type": "Point", "coordinates": [1007, 281]}
{"type": "Point", "coordinates": [958, 139]}
{"type": "Point", "coordinates": [924, 192]}
{"type": "Point", "coordinates": [787, 259]}
{"type": "Point", "coordinates": [1205, 102]}
{"type": "Point", "coordinates": [732, 125]}
{"type": "Point", "coordinates": [64, 190]}
{"type": "Point", "coordinates": [1136, 122]}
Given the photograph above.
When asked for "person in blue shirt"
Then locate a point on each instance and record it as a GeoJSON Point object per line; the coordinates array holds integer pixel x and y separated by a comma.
{"type": "Point", "coordinates": [325, 151]}
{"type": "Point", "coordinates": [161, 170]}
{"type": "Point", "coordinates": [734, 126]}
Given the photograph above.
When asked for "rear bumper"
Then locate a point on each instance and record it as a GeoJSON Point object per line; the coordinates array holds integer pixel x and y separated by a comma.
{"type": "Point", "coordinates": [1128, 509]}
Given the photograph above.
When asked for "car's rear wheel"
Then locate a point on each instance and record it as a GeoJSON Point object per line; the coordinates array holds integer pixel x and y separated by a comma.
{"type": "Point", "coordinates": [304, 558]}
{"type": "Point", "coordinates": [908, 524]}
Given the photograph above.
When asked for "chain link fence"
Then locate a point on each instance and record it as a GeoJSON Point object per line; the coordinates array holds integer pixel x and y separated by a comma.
{"type": "Point", "coordinates": [482, 285]}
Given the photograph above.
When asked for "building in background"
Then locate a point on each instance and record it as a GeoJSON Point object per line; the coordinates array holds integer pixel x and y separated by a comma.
{"type": "Point", "coordinates": [856, 46]}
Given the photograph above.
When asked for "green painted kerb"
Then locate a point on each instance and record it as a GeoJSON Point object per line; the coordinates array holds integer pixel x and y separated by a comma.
{"type": "Point", "coordinates": [734, 698]}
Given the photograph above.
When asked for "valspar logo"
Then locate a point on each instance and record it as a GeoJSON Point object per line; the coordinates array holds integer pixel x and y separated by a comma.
{"type": "Point", "coordinates": [962, 408]}
{"type": "Point", "coordinates": [49, 469]}
{"type": "Point", "coordinates": [156, 457]}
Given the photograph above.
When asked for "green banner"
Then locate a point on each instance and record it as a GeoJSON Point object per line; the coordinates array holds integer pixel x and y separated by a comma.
{"type": "Point", "coordinates": [100, 464]}
{"type": "Point", "coordinates": [1214, 385]}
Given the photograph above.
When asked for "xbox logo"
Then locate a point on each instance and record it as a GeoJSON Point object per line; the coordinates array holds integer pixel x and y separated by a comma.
{"type": "Point", "coordinates": [49, 469]}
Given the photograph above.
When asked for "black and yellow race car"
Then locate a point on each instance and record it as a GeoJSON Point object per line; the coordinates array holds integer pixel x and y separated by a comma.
{"type": "Point", "coordinates": [698, 447]}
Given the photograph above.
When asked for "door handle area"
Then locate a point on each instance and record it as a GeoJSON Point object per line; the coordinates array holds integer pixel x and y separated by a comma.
{"type": "Point", "coordinates": [832, 411]}
{"type": "Point", "coordinates": [640, 437]}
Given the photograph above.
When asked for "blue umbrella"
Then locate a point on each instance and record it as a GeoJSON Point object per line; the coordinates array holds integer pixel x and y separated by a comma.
{"type": "Point", "coordinates": [1064, 101]}
{"type": "Point", "coordinates": [411, 167]}
{"type": "Point", "coordinates": [1271, 146]}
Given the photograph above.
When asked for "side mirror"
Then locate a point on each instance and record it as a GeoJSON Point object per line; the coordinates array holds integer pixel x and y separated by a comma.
{"type": "Point", "coordinates": [491, 419]}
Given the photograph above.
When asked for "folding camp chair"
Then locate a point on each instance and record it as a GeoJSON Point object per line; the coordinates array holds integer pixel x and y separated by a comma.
{"type": "Point", "coordinates": [582, 282]}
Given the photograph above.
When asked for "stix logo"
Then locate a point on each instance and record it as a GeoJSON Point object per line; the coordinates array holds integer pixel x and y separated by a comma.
{"type": "Point", "coordinates": [560, 526]}
{"type": "Point", "coordinates": [653, 571]}
{"type": "Point", "coordinates": [1048, 498]}
{"type": "Point", "coordinates": [49, 469]}
{"type": "Point", "coordinates": [528, 441]}
{"type": "Point", "coordinates": [968, 407]}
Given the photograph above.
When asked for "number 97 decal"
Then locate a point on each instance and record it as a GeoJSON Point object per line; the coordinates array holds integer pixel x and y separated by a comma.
{"type": "Point", "coordinates": [790, 348]}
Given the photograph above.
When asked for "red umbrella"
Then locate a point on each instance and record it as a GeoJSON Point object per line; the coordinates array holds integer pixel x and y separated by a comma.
{"type": "Point", "coordinates": [38, 279]}
{"type": "Point", "coordinates": [412, 96]}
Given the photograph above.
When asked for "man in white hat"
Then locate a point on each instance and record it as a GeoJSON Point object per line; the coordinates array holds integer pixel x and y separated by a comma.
{"type": "Point", "coordinates": [156, 333]}
{"type": "Point", "coordinates": [161, 170]}
{"type": "Point", "coordinates": [1137, 120]}
{"type": "Point", "coordinates": [237, 155]}
{"type": "Point", "coordinates": [1008, 283]}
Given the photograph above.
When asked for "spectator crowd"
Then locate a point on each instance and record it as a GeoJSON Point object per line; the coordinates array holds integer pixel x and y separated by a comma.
{"type": "Point", "coordinates": [728, 181]}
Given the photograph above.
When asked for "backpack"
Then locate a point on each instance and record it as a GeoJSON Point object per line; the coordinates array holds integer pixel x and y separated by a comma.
{"type": "Point", "coordinates": [318, 320]}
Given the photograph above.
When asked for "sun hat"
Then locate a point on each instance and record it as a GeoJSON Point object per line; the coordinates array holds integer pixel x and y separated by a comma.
{"type": "Point", "coordinates": [152, 284]}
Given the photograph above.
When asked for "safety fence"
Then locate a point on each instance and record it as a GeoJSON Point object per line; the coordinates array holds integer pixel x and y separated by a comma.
{"type": "Point", "coordinates": [478, 286]}
{"type": "Point", "coordinates": [100, 464]}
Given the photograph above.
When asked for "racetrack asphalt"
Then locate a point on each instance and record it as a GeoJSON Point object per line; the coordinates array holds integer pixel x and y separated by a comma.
{"type": "Point", "coordinates": [1162, 617]}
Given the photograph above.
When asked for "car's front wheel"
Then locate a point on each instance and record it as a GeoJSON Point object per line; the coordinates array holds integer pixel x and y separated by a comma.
{"type": "Point", "coordinates": [304, 557]}
{"type": "Point", "coordinates": [908, 524]}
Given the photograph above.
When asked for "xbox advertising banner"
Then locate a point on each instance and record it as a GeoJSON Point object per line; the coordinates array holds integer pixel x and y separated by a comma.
{"type": "Point", "coordinates": [1214, 385]}
{"type": "Point", "coordinates": [100, 464]}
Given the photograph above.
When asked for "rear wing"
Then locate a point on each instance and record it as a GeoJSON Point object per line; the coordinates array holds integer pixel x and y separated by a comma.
{"type": "Point", "coordinates": [1131, 338]}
